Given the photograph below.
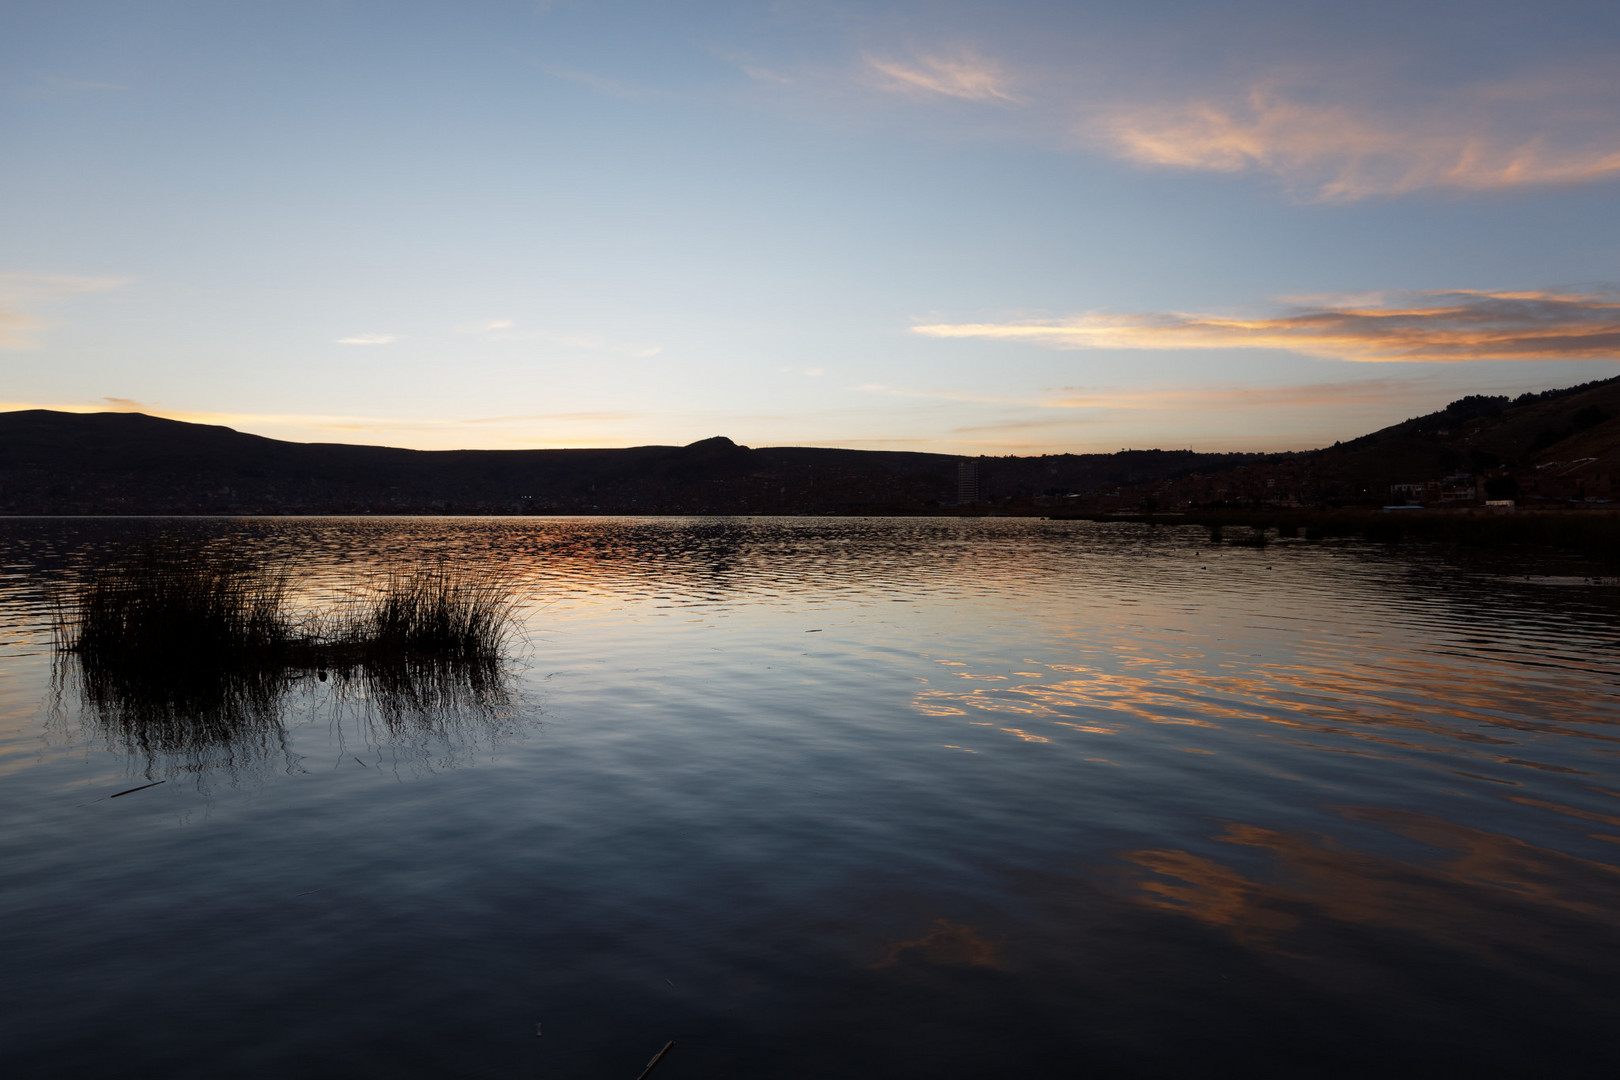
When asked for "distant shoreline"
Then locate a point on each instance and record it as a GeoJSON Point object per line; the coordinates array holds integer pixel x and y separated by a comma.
{"type": "Point", "coordinates": [1588, 531]}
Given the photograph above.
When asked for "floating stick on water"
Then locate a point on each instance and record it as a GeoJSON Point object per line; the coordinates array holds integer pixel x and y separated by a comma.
{"type": "Point", "coordinates": [653, 1064]}
{"type": "Point", "coordinates": [143, 787]}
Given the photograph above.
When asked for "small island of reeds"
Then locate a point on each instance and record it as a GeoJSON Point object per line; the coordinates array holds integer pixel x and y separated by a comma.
{"type": "Point", "coordinates": [189, 648]}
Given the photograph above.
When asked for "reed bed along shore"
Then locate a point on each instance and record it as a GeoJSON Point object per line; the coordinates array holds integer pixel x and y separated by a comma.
{"type": "Point", "coordinates": [186, 647]}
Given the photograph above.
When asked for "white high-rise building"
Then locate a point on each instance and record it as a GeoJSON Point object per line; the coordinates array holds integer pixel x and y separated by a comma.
{"type": "Point", "coordinates": [967, 482]}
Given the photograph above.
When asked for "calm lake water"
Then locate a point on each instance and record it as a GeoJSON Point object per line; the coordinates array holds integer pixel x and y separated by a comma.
{"type": "Point", "coordinates": [845, 798]}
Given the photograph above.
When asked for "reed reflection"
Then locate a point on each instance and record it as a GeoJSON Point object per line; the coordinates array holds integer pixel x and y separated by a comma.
{"type": "Point", "coordinates": [186, 656]}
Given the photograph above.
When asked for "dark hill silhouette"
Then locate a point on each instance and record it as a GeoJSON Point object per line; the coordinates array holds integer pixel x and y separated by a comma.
{"type": "Point", "coordinates": [1480, 433]}
{"type": "Point", "coordinates": [113, 463]}
{"type": "Point", "coordinates": [1553, 446]}
{"type": "Point", "coordinates": [1550, 447]}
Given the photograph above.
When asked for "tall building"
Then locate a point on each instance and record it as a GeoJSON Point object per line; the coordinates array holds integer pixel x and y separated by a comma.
{"type": "Point", "coordinates": [967, 482]}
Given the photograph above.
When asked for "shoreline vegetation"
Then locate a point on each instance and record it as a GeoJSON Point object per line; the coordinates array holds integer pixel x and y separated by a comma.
{"type": "Point", "coordinates": [188, 649]}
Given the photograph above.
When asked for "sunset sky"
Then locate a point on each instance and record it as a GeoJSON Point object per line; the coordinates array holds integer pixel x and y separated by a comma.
{"type": "Point", "coordinates": [1008, 227]}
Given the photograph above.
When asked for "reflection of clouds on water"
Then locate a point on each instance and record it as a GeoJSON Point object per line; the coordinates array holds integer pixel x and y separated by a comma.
{"type": "Point", "coordinates": [1479, 709]}
{"type": "Point", "coordinates": [946, 942]}
{"type": "Point", "coordinates": [1489, 894]}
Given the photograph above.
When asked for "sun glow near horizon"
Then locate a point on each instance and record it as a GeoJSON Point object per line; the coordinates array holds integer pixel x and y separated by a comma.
{"type": "Point", "coordinates": [967, 228]}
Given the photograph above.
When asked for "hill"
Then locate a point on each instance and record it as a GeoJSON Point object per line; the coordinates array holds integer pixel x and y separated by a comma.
{"type": "Point", "coordinates": [1549, 447]}
{"type": "Point", "coordinates": [129, 463]}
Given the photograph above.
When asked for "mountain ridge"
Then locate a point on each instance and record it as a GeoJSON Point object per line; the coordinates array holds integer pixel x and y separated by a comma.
{"type": "Point", "coordinates": [129, 463]}
{"type": "Point", "coordinates": [1553, 446]}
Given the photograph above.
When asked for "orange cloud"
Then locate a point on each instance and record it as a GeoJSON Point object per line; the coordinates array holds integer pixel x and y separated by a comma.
{"type": "Point", "coordinates": [1329, 133]}
{"type": "Point", "coordinates": [1427, 327]}
{"type": "Point", "coordinates": [1340, 153]}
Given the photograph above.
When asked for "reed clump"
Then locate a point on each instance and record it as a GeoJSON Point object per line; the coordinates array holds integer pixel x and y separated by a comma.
{"type": "Point", "coordinates": [205, 608]}
{"type": "Point", "coordinates": [185, 648]}
{"type": "Point", "coordinates": [425, 613]}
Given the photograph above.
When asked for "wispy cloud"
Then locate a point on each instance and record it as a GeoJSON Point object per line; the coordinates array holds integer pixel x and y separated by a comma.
{"type": "Point", "coordinates": [597, 343]}
{"type": "Point", "coordinates": [602, 84]}
{"type": "Point", "coordinates": [495, 329]}
{"type": "Point", "coordinates": [368, 339]}
{"type": "Point", "coordinates": [22, 293]}
{"type": "Point", "coordinates": [1341, 152]}
{"type": "Point", "coordinates": [1296, 396]}
{"type": "Point", "coordinates": [1209, 416]}
{"type": "Point", "coordinates": [1350, 127]}
{"type": "Point", "coordinates": [552, 416]}
{"type": "Point", "coordinates": [965, 396]}
{"type": "Point", "coordinates": [1139, 399]}
{"type": "Point", "coordinates": [1423, 327]}
{"type": "Point", "coordinates": [106, 404]}
{"type": "Point", "coordinates": [963, 75]}
{"type": "Point", "coordinates": [506, 330]}
{"type": "Point", "coordinates": [764, 74]}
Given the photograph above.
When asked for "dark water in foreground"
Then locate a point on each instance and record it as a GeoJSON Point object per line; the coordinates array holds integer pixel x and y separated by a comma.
{"type": "Point", "coordinates": [848, 798]}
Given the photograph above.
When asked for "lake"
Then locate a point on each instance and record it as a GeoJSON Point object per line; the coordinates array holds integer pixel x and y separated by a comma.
{"type": "Point", "coordinates": [843, 797]}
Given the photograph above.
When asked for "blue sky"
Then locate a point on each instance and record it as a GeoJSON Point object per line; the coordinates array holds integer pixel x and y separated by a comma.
{"type": "Point", "coordinates": [974, 228]}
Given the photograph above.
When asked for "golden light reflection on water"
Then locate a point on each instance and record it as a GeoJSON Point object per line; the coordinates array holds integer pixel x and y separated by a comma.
{"type": "Point", "coordinates": [946, 942]}
{"type": "Point", "coordinates": [1571, 811]}
{"type": "Point", "coordinates": [1490, 892]}
{"type": "Point", "coordinates": [1382, 705]}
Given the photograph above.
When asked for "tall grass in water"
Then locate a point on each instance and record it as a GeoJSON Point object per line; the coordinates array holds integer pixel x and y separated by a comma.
{"type": "Point", "coordinates": [427, 648]}
{"type": "Point", "coordinates": [429, 612]}
{"type": "Point", "coordinates": [180, 652]}
{"type": "Point", "coordinates": [187, 651]}
{"type": "Point", "coordinates": [190, 604]}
